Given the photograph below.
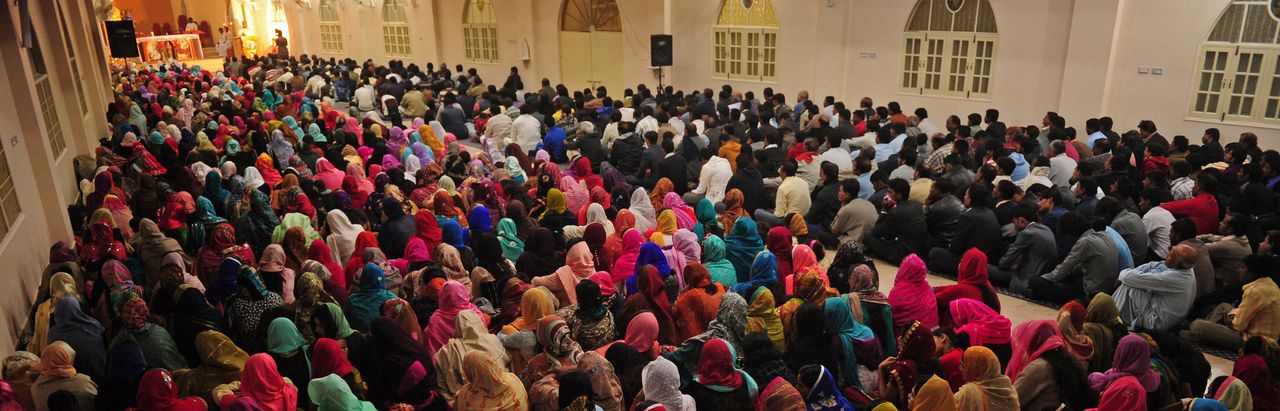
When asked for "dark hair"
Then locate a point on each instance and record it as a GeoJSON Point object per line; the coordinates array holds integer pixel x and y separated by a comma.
{"type": "Point", "coordinates": [790, 166]}
{"type": "Point", "coordinates": [901, 187]}
{"type": "Point", "coordinates": [1089, 185]}
{"type": "Point", "coordinates": [1071, 381]}
{"type": "Point", "coordinates": [979, 196]}
{"type": "Point", "coordinates": [1073, 224]}
{"type": "Point", "coordinates": [908, 157]}
{"type": "Point", "coordinates": [829, 169]}
{"type": "Point", "coordinates": [1239, 224]}
{"type": "Point", "coordinates": [851, 186]}
{"type": "Point", "coordinates": [1027, 211]}
{"type": "Point", "coordinates": [958, 340]}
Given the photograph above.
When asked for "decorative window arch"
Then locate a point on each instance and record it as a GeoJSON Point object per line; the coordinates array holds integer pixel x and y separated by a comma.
{"type": "Point", "coordinates": [949, 49]}
{"type": "Point", "coordinates": [330, 27]}
{"type": "Point", "coordinates": [395, 29]}
{"type": "Point", "coordinates": [590, 15]}
{"type": "Point", "coordinates": [745, 41]}
{"type": "Point", "coordinates": [1238, 70]}
{"type": "Point", "coordinates": [480, 32]}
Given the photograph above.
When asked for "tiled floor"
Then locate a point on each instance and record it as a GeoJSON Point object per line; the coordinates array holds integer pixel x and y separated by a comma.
{"type": "Point", "coordinates": [1019, 311]}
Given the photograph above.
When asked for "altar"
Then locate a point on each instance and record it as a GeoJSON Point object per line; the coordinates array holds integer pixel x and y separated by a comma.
{"type": "Point", "coordinates": [182, 47]}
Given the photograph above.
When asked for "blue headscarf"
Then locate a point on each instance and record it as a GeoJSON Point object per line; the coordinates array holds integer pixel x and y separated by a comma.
{"type": "Point", "coordinates": [155, 138]}
{"type": "Point", "coordinates": [364, 304]}
{"type": "Point", "coordinates": [292, 123]}
{"type": "Point", "coordinates": [479, 220]}
{"type": "Point", "coordinates": [451, 232]}
{"type": "Point", "coordinates": [841, 324]}
{"type": "Point", "coordinates": [214, 189]}
{"type": "Point", "coordinates": [226, 283]}
{"type": "Point", "coordinates": [764, 271]}
{"type": "Point", "coordinates": [650, 254]}
{"type": "Point", "coordinates": [825, 396]}
{"type": "Point", "coordinates": [742, 245]}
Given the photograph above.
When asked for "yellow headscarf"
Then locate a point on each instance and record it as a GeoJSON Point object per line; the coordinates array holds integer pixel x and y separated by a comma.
{"type": "Point", "coordinates": [666, 227]}
{"type": "Point", "coordinates": [556, 201]}
{"type": "Point", "coordinates": [761, 316]}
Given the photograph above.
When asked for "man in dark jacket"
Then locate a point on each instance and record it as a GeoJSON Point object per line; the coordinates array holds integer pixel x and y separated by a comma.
{"type": "Point", "coordinates": [1034, 252]}
{"type": "Point", "coordinates": [942, 213]}
{"type": "Point", "coordinates": [673, 167]}
{"type": "Point", "coordinates": [901, 230]}
{"type": "Point", "coordinates": [625, 155]}
{"type": "Point", "coordinates": [587, 142]}
{"type": "Point", "coordinates": [824, 202]}
{"type": "Point", "coordinates": [977, 228]}
{"type": "Point", "coordinates": [748, 180]}
{"type": "Point", "coordinates": [646, 174]}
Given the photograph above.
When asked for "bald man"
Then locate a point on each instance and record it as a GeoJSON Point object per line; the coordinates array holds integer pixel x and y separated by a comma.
{"type": "Point", "coordinates": [1158, 294]}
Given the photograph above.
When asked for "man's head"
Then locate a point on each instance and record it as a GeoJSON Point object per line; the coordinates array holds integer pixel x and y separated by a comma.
{"type": "Point", "coordinates": [1256, 266]}
{"type": "Point", "coordinates": [922, 113]}
{"type": "Point", "coordinates": [830, 171]}
{"type": "Point", "coordinates": [1146, 128]}
{"type": "Point", "coordinates": [1092, 125]}
{"type": "Point", "coordinates": [1182, 229]}
{"type": "Point", "coordinates": [788, 168]}
{"type": "Point", "coordinates": [978, 196]}
{"type": "Point", "coordinates": [1236, 224]}
{"type": "Point", "coordinates": [992, 116]}
{"type": "Point", "coordinates": [899, 189]}
{"type": "Point", "coordinates": [1181, 257]}
{"type": "Point", "coordinates": [1210, 135]}
{"type": "Point", "coordinates": [849, 190]}
{"type": "Point", "coordinates": [1024, 215]}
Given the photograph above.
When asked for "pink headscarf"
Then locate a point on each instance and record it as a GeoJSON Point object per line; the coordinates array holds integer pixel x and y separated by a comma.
{"type": "Point", "coordinates": [576, 196]}
{"type": "Point", "coordinates": [984, 325]}
{"type": "Point", "coordinates": [685, 217]}
{"type": "Point", "coordinates": [1034, 338]}
{"type": "Point", "coordinates": [328, 175]}
{"type": "Point", "coordinates": [605, 281]}
{"type": "Point", "coordinates": [1132, 359]}
{"type": "Point", "coordinates": [912, 298]}
{"type": "Point", "coordinates": [578, 266]}
{"type": "Point", "coordinates": [625, 267]}
{"type": "Point", "coordinates": [642, 334]}
{"type": "Point", "coordinates": [454, 298]}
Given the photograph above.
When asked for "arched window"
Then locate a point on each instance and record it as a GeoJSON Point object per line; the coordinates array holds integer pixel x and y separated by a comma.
{"type": "Point", "coordinates": [1238, 72]}
{"type": "Point", "coordinates": [480, 32]}
{"type": "Point", "coordinates": [949, 48]}
{"type": "Point", "coordinates": [330, 27]}
{"type": "Point", "coordinates": [395, 29]}
{"type": "Point", "coordinates": [745, 41]}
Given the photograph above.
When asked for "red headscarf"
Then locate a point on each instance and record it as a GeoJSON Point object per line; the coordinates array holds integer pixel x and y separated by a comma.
{"type": "Point", "coordinates": [715, 366]}
{"type": "Point", "coordinates": [652, 288]}
{"type": "Point", "coordinates": [327, 358]}
{"type": "Point", "coordinates": [1031, 340]}
{"type": "Point", "coordinates": [428, 228]}
{"type": "Point", "coordinates": [157, 392]}
{"type": "Point", "coordinates": [1124, 394]}
{"type": "Point", "coordinates": [363, 240]}
{"type": "Point", "coordinates": [319, 251]}
{"type": "Point", "coordinates": [261, 381]}
{"type": "Point", "coordinates": [778, 242]}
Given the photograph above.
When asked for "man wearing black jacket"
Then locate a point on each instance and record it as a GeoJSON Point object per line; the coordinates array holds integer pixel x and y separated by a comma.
{"type": "Point", "coordinates": [587, 142]}
{"type": "Point", "coordinates": [976, 227]}
{"type": "Point", "coordinates": [647, 173]}
{"type": "Point", "coordinates": [900, 231]}
{"type": "Point", "coordinates": [625, 155]}
{"type": "Point", "coordinates": [672, 167]}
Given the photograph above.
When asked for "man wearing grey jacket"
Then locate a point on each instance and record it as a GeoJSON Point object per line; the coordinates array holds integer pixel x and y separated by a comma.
{"type": "Point", "coordinates": [1091, 266]}
{"type": "Point", "coordinates": [1034, 252]}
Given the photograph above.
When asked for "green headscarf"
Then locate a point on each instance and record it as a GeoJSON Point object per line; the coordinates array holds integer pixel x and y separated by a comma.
{"type": "Point", "coordinates": [283, 337]}
{"type": "Point", "coordinates": [448, 185]}
{"type": "Point", "coordinates": [314, 131]}
{"type": "Point", "coordinates": [331, 393]}
{"type": "Point", "coordinates": [707, 218]}
{"type": "Point", "coordinates": [713, 257]}
{"type": "Point", "coordinates": [512, 245]}
{"type": "Point", "coordinates": [339, 320]}
{"type": "Point", "coordinates": [292, 220]}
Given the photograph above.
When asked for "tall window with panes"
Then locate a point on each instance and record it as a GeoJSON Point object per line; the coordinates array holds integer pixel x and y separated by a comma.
{"type": "Point", "coordinates": [395, 29]}
{"type": "Point", "coordinates": [1237, 76]}
{"type": "Point", "coordinates": [9, 206]}
{"type": "Point", "coordinates": [745, 41]}
{"type": "Point", "coordinates": [480, 32]}
{"type": "Point", "coordinates": [71, 58]}
{"type": "Point", "coordinates": [44, 97]}
{"type": "Point", "coordinates": [330, 27]}
{"type": "Point", "coordinates": [948, 49]}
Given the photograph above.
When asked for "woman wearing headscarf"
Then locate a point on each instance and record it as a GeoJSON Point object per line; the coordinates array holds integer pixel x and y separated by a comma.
{"type": "Point", "coordinates": [590, 319]}
{"type": "Point", "coordinates": [535, 303]}
{"type": "Point", "coordinates": [488, 386]}
{"type": "Point", "coordinates": [717, 381]}
{"type": "Point", "coordinates": [594, 213]}
{"type": "Point", "coordinates": [275, 275]}
{"type": "Point", "coordinates": [1104, 327]}
{"type": "Point", "coordinates": [971, 282]}
{"type": "Point", "coordinates": [577, 267]}
{"type": "Point", "coordinates": [402, 313]}
{"type": "Point", "coordinates": [730, 325]}
{"type": "Point", "coordinates": [492, 270]}
{"type": "Point", "coordinates": [365, 302]}
{"type": "Point", "coordinates": [325, 269]}
{"type": "Point", "coordinates": [288, 351]}
{"type": "Point", "coordinates": [780, 395]}
{"type": "Point", "coordinates": [469, 335]}
{"type": "Point", "coordinates": [824, 394]}
{"type": "Point", "coordinates": [697, 304]}
{"type": "Point", "coordinates": [714, 257]}
{"type": "Point", "coordinates": [733, 201]}
{"type": "Point", "coordinates": [764, 273]}
{"type": "Point", "coordinates": [454, 298]}
{"type": "Point", "coordinates": [328, 175]}
{"type": "Point", "coordinates": [808, 289]}
{"type": "Point", "coordinates": [518, 212]}
{"type": "Point", "coordinates": [57, 372]}
{"type": "Point", "coordinates": [263, 384]}
{"type": "Point", "coordinates": [83, 334]}
{"type": "Point", "coordinates": [576, 196]}
{"type": "Point", "coordinates": [1046, 374]}
{"type": "Point", "coordinates": [257, 226]}
{"type": "Point", "coordinates": [912, 297]}
{"type": "Point", "coordinates": [1232, 394]}
{"type": "Point", "coordinates": [157, 392]}
{"type": "Point", "coordinates": [342, 235]}
{"type": "Point", "coordinates": [762, 317]}
{"type": "Point", "coordinates": [985, 387]}
{"type": "Point", "coordinates": [1071, 325]}
{"type": "Point", "coordinates": [152, 245]}
{"type": "Point", "coordinates": [742, 245]}
{"type": "Point", "coordinates": [625, 266]}
{"type": "Point", "coordinates": [221, 363]}
{"type": "Point", "coordinates": [662, 386]}
{"type": "Point", "coordinates": [652, 254]}
{"type": "Point", "coordinates": [1132, 358]}
{"type": "Point", "coordinates": [331, 393]}
{"type": "Point", "coordinates": [651, 296]}
{"type": "Point", "coordinates": [245, 308]}
{"type": "Point", "coordinates": [559, 350]}
{"type": "Point", "coordinates": [933, 395]}
{"type": "Point", "coordinates": [984, 327]}
{"type": "Point", "coordinates": [539, 256]}
{"type": "Point", "coordinates": [508, 236]}
{"type": "Point", "coordinates": [643, 211]}
{"type": "Point", "coordinates": [1124, 394]}
{"type": "Point", "coordinates": [778, 242]}
{"type": "Point", "coordinates": [60, 285]}
{"type": "Point", "coordinates": [1252, 369]}
{"type": "Point", "coordinates": [401, 370]}
{"type": "Point", "coordinates": [156, 343]}
{"type": "Point", "coordinates": [899, 375]}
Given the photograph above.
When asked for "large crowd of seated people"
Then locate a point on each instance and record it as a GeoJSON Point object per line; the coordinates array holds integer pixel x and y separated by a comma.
{"type": "Point", "coordinates": [313, 234]}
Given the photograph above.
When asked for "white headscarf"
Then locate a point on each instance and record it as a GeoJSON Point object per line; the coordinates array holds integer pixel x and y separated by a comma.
{"type": "Point", "coordinates": [252, 178]}
{"type": "Point", "coordinates": [642, 210]}
{"type": "Point", "coordinates": [342, 240]}
{"type": "Point", "coordinates": [662, 385]}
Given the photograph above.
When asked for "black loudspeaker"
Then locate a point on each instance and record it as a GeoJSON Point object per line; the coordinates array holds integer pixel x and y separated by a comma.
{"type": "Point", "coordinates": [122, 38]}
{"type": "Point", "coordinates": [660, 50]}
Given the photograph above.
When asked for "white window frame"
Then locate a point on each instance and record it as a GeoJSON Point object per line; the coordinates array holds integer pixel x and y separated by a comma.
{"type": "Point", "coordinates": [330, 27]}
{"type": "Point", "coordinates": [10, 205]}
{"type": "Point", "coordinates": [479, 38]}
{"type": "Point", "coordinates": [71, 58]}
{"type": "Point", "coordinates": [941, 63]}
{"type": "Point", "coordinates": [395, 29]}
{"type": "Point", "coordinates": [748, 53]}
